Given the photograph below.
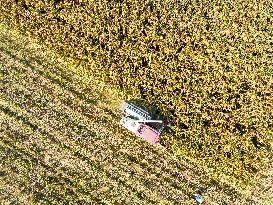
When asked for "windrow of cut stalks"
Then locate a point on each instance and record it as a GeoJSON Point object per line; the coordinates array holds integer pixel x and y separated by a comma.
{"type": "Point", "coordinates": [206, 65]}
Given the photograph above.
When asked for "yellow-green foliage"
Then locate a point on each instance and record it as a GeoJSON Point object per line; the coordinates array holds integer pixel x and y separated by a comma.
{"type": "Point", "coordinates": [206, 65]}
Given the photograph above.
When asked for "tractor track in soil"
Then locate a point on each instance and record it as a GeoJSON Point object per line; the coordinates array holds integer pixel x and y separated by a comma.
{"type": "Point", "coordinates": [61, 142]}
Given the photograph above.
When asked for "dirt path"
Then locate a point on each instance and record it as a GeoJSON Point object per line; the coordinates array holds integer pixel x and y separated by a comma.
{"type": "Point", "coordinates": [60, 141]}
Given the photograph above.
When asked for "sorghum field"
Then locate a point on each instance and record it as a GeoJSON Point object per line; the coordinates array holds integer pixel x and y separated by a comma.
{"type": "Point", "coordinates": [60, 142]}
{"type": "Point", "coordinates": [206, 66]}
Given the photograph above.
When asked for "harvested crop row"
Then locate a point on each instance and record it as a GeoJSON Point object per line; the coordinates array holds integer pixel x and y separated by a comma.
{"type": "Point", "coordinates": [206, 66]}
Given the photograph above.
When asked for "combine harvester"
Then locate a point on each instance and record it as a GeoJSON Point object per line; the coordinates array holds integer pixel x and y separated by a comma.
{"type": "Point", "coordinates": [140, 122]}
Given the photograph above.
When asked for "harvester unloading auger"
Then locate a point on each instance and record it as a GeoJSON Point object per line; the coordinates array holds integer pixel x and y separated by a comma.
{"type": "Point", "coordinates": [141, 123]}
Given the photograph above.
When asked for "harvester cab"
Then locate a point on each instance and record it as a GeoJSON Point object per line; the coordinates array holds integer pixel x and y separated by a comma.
{"type": "Point", "coordinates": [140, 122]}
